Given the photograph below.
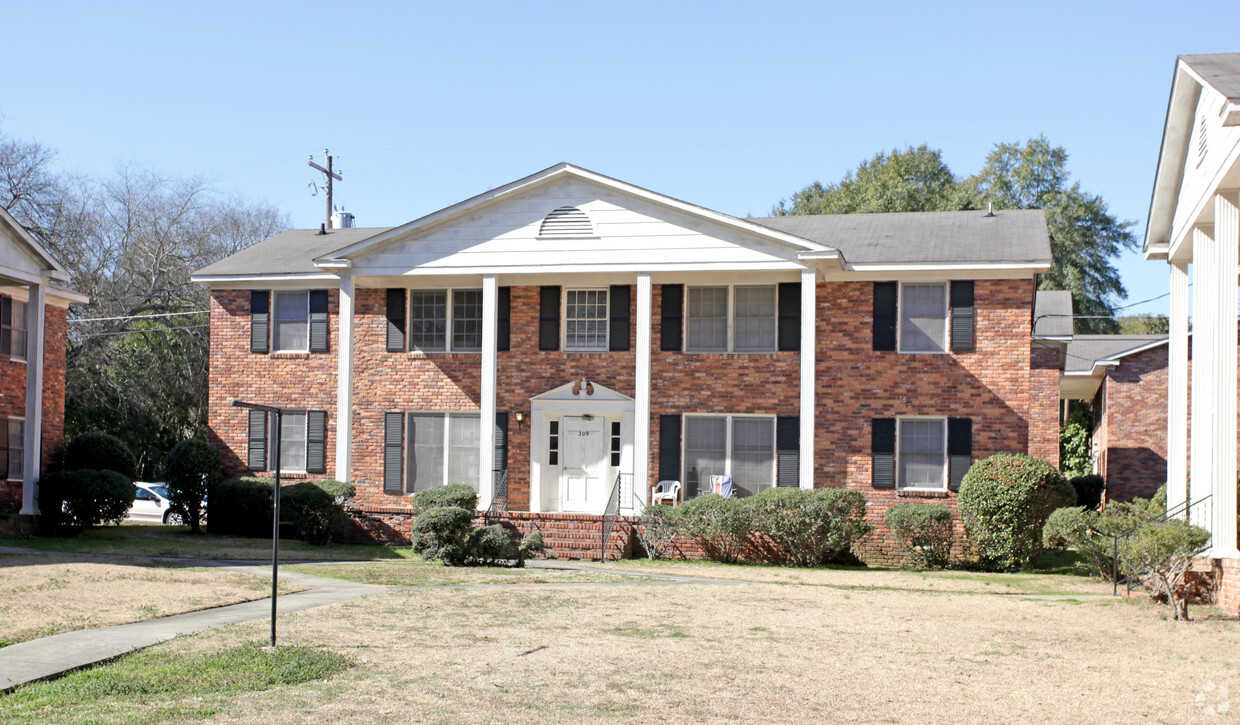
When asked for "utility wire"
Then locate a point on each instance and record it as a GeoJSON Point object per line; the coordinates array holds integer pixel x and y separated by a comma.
{"type": "Point", "coordinates": [135, 332]}
{"type": "Point", "coordinates": [137, 317]}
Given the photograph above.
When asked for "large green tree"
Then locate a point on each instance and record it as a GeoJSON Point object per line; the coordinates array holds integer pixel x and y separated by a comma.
{"type": "Point", "coordinates": [1085, 237]}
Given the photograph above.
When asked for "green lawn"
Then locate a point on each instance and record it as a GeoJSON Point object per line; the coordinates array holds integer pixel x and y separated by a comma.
{"type": "Point", "coordinates": [160, 540]}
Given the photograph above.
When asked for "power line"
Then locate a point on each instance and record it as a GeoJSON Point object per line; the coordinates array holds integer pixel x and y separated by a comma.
{"type": "Point", "coordinates": [137, 317]}
{"type": "Point", "coordinates": [135, 332]}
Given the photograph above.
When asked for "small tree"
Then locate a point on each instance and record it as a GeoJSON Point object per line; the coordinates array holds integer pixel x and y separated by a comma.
{"type": "Point", "coordinates": [1162, 553]}
{"type": "Point", "coordinates": [1004, 501]}
{"type": "Point", "coordinates": [656, 529]}
{"type": "Point", "coordinates": [192, 467]}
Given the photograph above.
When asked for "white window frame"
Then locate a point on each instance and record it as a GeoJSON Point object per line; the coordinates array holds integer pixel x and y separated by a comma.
{"type": "Point", "coordinates": [900, 452]}
{"type": "Point", "coordinates": [564, 320]}
{"type": "Point", "coordinates": [274, 320]}
{"type": "Point", "coordinates": [947, 314]}
{"type": "Point", "coordinates": [449, 312]}
{"type": "Point", "coordinates": [445, 446]}
{"type": "Point", "coordinates": [731, 325]}
{"type": "Point", "coordinates": [19, 322]}
{"type": "Point", "coordinates": [271, 442]}
{"type": "Point", "coordinates": [22, 469]}
{"type": "Point", "coordinates": [727, 445]}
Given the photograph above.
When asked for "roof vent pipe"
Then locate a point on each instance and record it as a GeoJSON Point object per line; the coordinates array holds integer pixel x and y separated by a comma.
{"type": "Point", "coordinates": [323, 228]}
{"type": "Point", "coordinates": [990, 208]}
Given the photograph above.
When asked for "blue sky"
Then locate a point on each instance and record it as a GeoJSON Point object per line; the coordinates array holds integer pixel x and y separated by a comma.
{"type": "Point", "coordinates": [728, 105]}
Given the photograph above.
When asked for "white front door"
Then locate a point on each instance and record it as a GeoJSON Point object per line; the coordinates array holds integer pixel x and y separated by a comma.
{"type": "Point", "coordinates": [583, 476]}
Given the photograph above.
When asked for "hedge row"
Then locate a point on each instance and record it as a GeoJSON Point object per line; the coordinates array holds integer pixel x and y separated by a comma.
{"type": "Point", "coordinates": [312, 511]}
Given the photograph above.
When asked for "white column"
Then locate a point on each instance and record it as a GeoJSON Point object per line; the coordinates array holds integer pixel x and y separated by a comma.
{"type": "Point", "coordinates": [809, 354]}
{"type": "Point", "coordinates": [1177, 389]}
{"type": "Point", "coordinates": [486, 428]}
{"type": "Point", "coordinates": [344, 380]}
{"type": "Point", "coordinates": [1227, 249]}
{"type": "Point", "coordinates": [1201, 470]}
{"type": "Point", "coordinates": [32, 445]}
{"type": "Point", "coordinates": [641, 405]}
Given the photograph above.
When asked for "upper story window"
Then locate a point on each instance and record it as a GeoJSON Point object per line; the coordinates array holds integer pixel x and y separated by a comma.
{"type": "Point", "coordinates": [923, 317]}
{"type": "Point", "coordinates": [445, 320]}
{"type": "Point", "coordinates": [731, 319]}
{"type": "Point", "coordinates": [291, 331]}
{"type": "Point", "coordinates": [585, 320]}
{"type": "Point", "coordinates": [19, 331]}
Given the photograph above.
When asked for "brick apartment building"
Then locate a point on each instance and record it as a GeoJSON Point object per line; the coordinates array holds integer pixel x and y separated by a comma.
{"type": "Point", "coordinates": [568, 340]}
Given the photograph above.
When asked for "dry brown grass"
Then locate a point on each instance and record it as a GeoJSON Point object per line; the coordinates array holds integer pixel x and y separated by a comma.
{"type": "Point", "coordinates": [744, 653]}
{"type": "Point", "coordinates": [433, 573]}
{"type": "Point", "coordinates": [44, 595]}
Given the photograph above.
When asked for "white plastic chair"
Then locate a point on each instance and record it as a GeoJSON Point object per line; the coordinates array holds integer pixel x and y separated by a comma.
{"type": "Point", "coordinates": [665, 491]}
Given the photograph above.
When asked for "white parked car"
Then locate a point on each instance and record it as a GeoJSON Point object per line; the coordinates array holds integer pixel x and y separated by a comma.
{"type": "Point", "coordinates": [150, 503]}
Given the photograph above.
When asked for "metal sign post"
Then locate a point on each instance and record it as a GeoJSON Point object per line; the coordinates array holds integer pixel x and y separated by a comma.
{"type": "Point", "coordinates": [275, 510]}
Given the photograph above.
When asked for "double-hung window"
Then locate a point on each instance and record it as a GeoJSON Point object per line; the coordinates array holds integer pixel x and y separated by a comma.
{"type": "Point", "coordinates": [20, 333]}
{"type": "Point", "coordinates": [291, 331]}
{"type": "Point", "coordinates": [292, 441]}
{"type": "Point", "coordinates": [442, 449]}
{"type": "Point", "coordinates": [922, 448]}
{"type": "Point", "coordinates": [923, 317]}
{"type": "Point", "coordinates": [731, 319]}
{"type": "Point", "coordinates": [742, 446]}
{"type": "Point", "coordinates": [445, 320]}
{"type": "Point", "coordinates": [585, 320]}
{"type": "Point", "coordinates": [17, 448]}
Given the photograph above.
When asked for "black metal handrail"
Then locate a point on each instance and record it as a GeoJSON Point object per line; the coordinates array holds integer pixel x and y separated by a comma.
{"type": "Point", "coordinates": [499, 493]}
{"type": "Point", "coordinates": [1170, 513]}
{"type": "Point", "coordinates": [609, 516]}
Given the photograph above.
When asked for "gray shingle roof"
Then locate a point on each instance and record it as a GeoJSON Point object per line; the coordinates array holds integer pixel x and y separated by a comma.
{"type": "Point", "coordinates": [1017, 235]}
{"type": "Point", "coordinates": [1052, 313]}
{"type": "Point", "coordinates": [1220, 70]}
{"type": "Point", "coordinates": [291, 252]}
{"type": "Point", "coordinates": [1085, 350]}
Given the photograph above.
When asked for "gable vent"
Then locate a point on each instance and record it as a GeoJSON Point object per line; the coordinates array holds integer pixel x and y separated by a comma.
{"type": "Point", "coordinates": [567, 221]}
{"type": "Point", "coordinates": [1201, 140]}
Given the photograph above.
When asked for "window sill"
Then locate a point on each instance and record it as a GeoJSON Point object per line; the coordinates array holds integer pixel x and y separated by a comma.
{"type": "Point", "coordinates": [290, 355]}
{"type": "Point", "coordinates": [736, 353]}
{"type": "Point", "coordinates": [422, 354]}
{"type": "Point", "coordinates": [923, 352]}
{"type": "Point", "coordinates": [921, 493]}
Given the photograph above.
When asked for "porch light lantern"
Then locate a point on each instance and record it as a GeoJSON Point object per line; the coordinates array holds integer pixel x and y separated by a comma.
{"type": "Point", "coordinates": [275, 509]}
{"type": "Point", "coordinates": [520, 418]}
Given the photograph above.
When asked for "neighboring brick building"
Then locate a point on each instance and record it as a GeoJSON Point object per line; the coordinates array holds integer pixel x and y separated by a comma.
{"type": "Point", "coordinates": [33, 333]}
{"type": "Point", "coordinates": [611, 337]}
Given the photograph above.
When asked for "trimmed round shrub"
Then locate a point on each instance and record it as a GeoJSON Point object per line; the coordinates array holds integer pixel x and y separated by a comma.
{"type": "Point", "coordinates": [926, 532]}
{"type": "Point", "coordinates": [73, 500]}
{"type": "Point", "coordinates": [1088, 490]}
{"type": "Point", "coordinates": [314, 510]}
{"type": "Point", "coordinates": [101, 452]}
{"type": "Point", "coordinates": [811, 528]}
{"type": "Point", "coordinates": [443, 533]}
{"type": "Point", "coordinates": [492, 544]}
{"type": "Point", "coordinates": [456, 495]}
{"type": "Point", "coordinates": [241, 507]}
{"type": "Point", "coordinates": [1004, 501]}
{"type": "Point", "coordinates": [190, 469]}
{"type": "Point", "coordinates": [531, 543]}
{"type": "Point", "coordinates": [722, 526]}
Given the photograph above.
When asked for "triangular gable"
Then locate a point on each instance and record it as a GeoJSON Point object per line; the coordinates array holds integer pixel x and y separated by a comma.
{"type": "Point", "coordinates": [23, 253]}
{"type": "Point", "coordinates": [582, 390]}
{"type": "Point", "coordinates": [631, 219]}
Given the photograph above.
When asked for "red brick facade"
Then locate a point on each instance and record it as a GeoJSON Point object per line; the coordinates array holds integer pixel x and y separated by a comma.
{"type": "Point", "coordinates": [13, 396]}
{"type": "Point", "coordinates": [1008, 390]}
{"type": "Point", "coordinates": [1131, 425]}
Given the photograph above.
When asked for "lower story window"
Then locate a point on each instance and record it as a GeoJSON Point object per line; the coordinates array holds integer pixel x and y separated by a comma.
{"type": "Point", "coordinates": [923, 453]}
{"type": "Point", "coordinates": [17, 443]}
{"type": "Point", "coordinates": [443, 449]}
{"type": "Point", "coordinates": [292, 441]}
{"type": "Point", "coordinates": [740, 446]}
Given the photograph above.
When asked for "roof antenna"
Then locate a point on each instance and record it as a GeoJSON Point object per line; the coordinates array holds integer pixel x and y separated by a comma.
{"type": "Point", "coordinates": [990, 208]}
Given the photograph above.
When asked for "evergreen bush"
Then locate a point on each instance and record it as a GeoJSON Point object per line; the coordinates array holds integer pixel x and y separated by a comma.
{"type": "Point", "coordinates": [73, 500]}
{"type": "Point", "coordinates": [190, 469]}
{"type": "Point", "coordinates": [811, 528]}
{"type": "Point", "coordinates": [100, 451]}
{"type": "Point", "coordinates": [926, 532]}
{"type": "Point", "coordinates": [1004, 501]}
{"type": "Point", "coordinates": [722, 526]}
{"type": "Point", "coordinates": [457, 495]}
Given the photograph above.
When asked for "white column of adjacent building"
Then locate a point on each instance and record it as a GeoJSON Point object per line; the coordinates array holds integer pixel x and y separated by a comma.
{"type": "Point", "coordinates": [344, 380]}
{"type": "Point", "coordinates": [809, 292]}
{"type": "Point", "coordinates": [1201, 471]}
{"type": "Point", "coordinates": [641, 393]}
{"type": "Point", "coordinates": [32, 445]}
{"type": "Point", "coordinates": [1227, 253]}
{"type": "Point", "coordinates": [1177, 389]}
{"type": "Point", "coordinates": [486, 427]}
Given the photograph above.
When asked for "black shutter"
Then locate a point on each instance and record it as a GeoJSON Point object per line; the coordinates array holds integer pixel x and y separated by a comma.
{"type": "Point", "coordinates": [549, 318]}
{"type": "Point", "coordinates": [963, 325]}
{"type": "Point", "coordinates": [959, 450]}
{"type": "Point", "coordinates": [672, 318]}
{"type": "Point", "coordinates": [886, 295]}
{"type": "Point", "coordinates": [318, 320]}
{"type": "Point", "coordinates": [256, 456]}
{"type": "Point", "coordinates": [6, 326]}
{"type": "Point", "coordinates": [790, 316]}
{"type": "Point", "coordinates": [316, 441]}
{"type": "Point", "coordinates": [787, 450]}
{"type": "Point", "coordinates": [396, 319]}
{"type": "Point", "coordinates": [669, 448]}
{"type": "Point", "coordinates": [503, 320]}
{"type": "Point", "coordinates": [883, 452]}
{"type": "Point", "coordinates": [260, 308]}
{"type": "Point", "coordinates": [501, 442]}
{"type": "Point", "coordinates": [393, 450]}
{"type": "Point", "coordinates": [618, 332]}
{"type": "Point", "coordinates": [4, 448]}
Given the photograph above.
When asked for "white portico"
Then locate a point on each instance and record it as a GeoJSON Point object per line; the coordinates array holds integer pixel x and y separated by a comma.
{"type": "Point", "coordinates": [1194, 226]}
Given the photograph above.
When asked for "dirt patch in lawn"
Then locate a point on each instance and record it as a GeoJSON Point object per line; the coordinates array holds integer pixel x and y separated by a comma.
{"type": "Point", "coordinates": [423, 573]}
{"type": "Point", "coordinates": [49, 594]}
{"type": "Point", "coordinates": [756, 653]}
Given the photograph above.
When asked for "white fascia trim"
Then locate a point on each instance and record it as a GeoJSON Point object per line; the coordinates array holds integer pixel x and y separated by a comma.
{"type": "Point", "coordinates": [1186, 85]}
{"type": "Point", "coordinates": [55, 270]}
{"type": "Point", "coordinates": [949, 266]}
{"type": "Point", "coordinates": [240, 278]}
{"type": "Point", "coordinates": [333, 263]}
{"type": "Point", "coordinates": [749, 267]}
{"type": "Point", "coordinates": [1052, 338]}
{"type": "Point", "coordinates": [564, 169]}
